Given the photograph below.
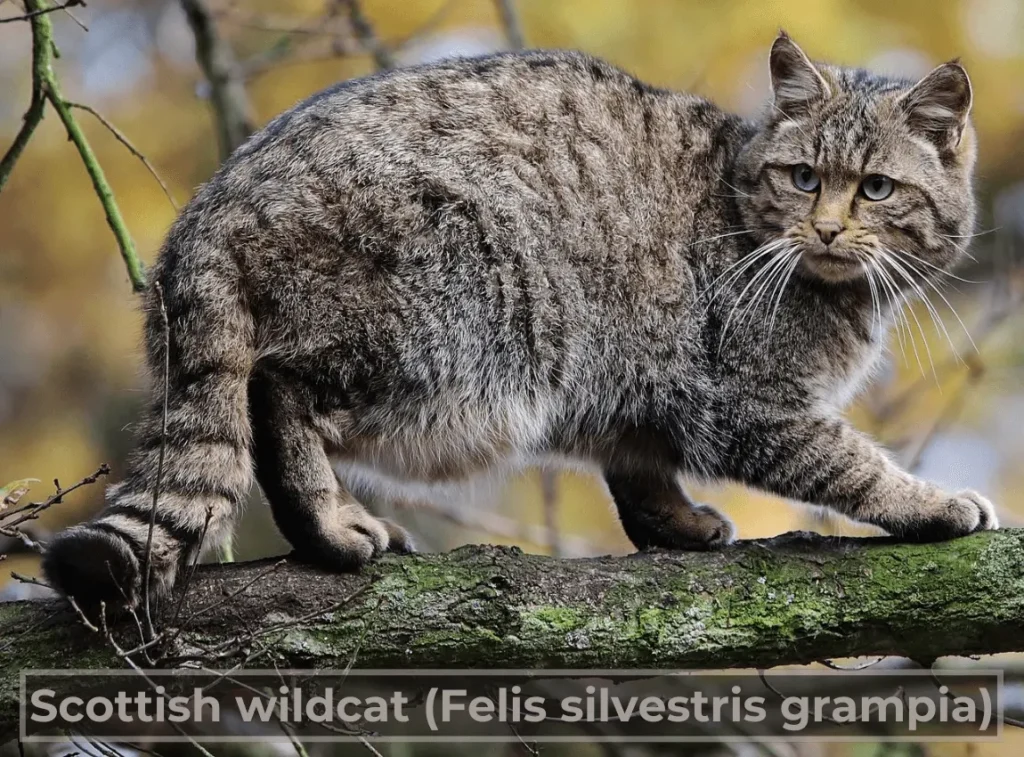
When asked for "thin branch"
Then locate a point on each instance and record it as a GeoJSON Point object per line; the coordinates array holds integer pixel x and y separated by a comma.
{"type": "Point", "coordinates": [341, 44]}
{"type": "Point", "coordinates": [99, 182]}
{"type": "Point", "coordinates": [147, 572]}
{"type": "Point", "coordinates": [120, 137]}
{"type": "Point", "coordinates": [37, 12]}
{"type": "Point", "coordinates": [511, 24]}
{"type": "Point", "coordinates": [30, 121]}
{"type": "Point", "coordinates": [366, 35]}
{"type": "Point", "coordinates": [41, 52]}
{"type": "Point", "coordinates": [231, 108]}
{"type": "Point", "coordinates": [46, 86]}
{"type": "Point", "coordinates": [240, 590]}
{"type": "Point", "coordinates": [192, 568]}
{"type": "Point", "coordinates": [30, 580]}
{"type": "Point", "coordinates": [73, 17]}
{"type": "Point", "coordinates": [11, 520]}
{"type": "Point", "coordinates": [857, 666]}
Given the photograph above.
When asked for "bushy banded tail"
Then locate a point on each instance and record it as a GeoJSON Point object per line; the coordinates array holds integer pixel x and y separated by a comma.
{"type": "Point", "coordinates": [206, 466]}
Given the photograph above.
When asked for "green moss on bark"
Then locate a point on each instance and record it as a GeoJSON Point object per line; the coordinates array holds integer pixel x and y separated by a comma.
{"type": "Point", "coordinates": [793, 599]}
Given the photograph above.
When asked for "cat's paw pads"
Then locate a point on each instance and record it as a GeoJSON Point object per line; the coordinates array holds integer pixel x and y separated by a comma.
{"type": "Point", "coordinates": [400, 541]}
{"type": "Point", "coordinates": [948, 517]}
{"type": "Point", "coordinates": [973, 512]}
{"type": "Point", "coordinates": [691, 529]}
{"type": "Point", "coordinates": [94, 567]}
{"type": "Point", "coordinates": [354, 537]}
{"type": "Point", "coordinates": [715, 530]}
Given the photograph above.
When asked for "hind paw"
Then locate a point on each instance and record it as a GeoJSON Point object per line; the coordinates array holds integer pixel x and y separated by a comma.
{"type": "Point", "coordinates": [353, 537]}
{"type": "Point", "coordinates": [93, 567]}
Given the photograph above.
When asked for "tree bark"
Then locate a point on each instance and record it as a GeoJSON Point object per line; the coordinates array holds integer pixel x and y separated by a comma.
{"type": "Point", "coordinates": [793, 599]}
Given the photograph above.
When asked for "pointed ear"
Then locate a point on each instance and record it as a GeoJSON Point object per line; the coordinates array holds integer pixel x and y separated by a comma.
{"type": "Point", "coordinates": [937, 107]}
{"type": "Point", "coordinates": [796, 83]}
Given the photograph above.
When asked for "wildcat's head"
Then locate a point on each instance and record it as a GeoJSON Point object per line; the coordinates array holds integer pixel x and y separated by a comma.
{"type": "Point", "coordinates": [850, 170]}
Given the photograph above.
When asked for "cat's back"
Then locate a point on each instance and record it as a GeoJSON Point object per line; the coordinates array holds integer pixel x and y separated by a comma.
{"type": "Point", "coordinates": [549, 152]}
{"type": "Point", "coordinates": [558, 128]}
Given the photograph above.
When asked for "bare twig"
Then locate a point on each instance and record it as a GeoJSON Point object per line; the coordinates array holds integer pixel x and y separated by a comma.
{"type": "Point", "coordinates": [340, 45]}
{"type": "Point", "coordinates": [940, 686]}
{"type": "Point", "coordinates": [148, 564]}
{"type": "Point", "coordinates": [192, 568]}
{"type": "Point", "coordinates": [37, 12]}
{"type": "Point", "coordinates": [14, 518]}
{"type": "Point", "coordinates": [231, 108]}
{"type": "Point", "coordinates": [73, 17]}
{"type": "Point", "coordinates": [29, 630]}
{"type": "Point", "coordinates": [511, 24]}
{"type": "Point", "coordinates": [30, 580]}
{"type": "Point", "coordinates": [119, 135]}
{"type": "Point", "coordinates": [241, 590]}
{"type": "Point", "coordinates": [81, 615]}
{"type": "Point", "coordinates": [857, 666]}
{"type": "Point", "coordinates": [99, 181]}
{"type": "Point", "coordinates": [277, 23]}
{"type": "Point", "coordinates": [366, 35]}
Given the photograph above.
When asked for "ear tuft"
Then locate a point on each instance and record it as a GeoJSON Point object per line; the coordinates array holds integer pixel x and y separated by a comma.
{"type": "Point", "coordinates": [937, 107]}
{"type": "Point", "coordinates": [796, 83]}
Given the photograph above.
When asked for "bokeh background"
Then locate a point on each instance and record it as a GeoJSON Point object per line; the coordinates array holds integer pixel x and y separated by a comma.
{"type": "Point", "coordinates": [70, 384]}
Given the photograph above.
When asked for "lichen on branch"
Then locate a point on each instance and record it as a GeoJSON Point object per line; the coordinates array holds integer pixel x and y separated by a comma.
{"type": "Point", "coordinates": [794, 599]}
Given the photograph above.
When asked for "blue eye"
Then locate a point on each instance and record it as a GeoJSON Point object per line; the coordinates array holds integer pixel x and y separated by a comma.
{"type": "Point", "coordinates": [805, 179]}
{"type": "Point", "coordinates": [876, 187]}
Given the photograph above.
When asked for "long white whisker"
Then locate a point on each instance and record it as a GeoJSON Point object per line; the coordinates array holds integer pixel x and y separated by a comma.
{"type": "Point", "coordinates": [735, 189]}
{"type": "Point", "coordinates": [932, 312]}
{"type": "Point", "coordinates": [876, 308]}
{"type": "Point", "coordinates": [936, 317]}
{"type": "Point", "coordinates": [762, 273]}
{"type": "Point", "coordinates": [952, 309]}
{"type": "Point", "coordinates": [897, 304]}
{"type": "Point", "coordinates": [737, 269]}
{"type": "Point", "coordinates": [924, 337]}
{"type": "Point", "coordinates": [766, 270]}
{"type": "Point", "coordinates": [937, 269]}
{"type": "Point", "coordinates": [782, 289]}
{"type": "Point", "coordinates": [971, 236]}
{"type": "Point", "coordinates": [718, 236]}
{"type": "Point", "coordinates": [778, 270]}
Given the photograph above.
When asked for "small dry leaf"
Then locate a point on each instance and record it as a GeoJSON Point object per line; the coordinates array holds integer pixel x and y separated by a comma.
{"type": "Point", "coordinates": [10, 494]}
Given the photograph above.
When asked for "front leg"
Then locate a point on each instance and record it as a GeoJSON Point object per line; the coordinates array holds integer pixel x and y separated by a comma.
{"type": "Point", "coordinates": [655, 512]}
{"type": "Point", "coordinates": [825, 461]}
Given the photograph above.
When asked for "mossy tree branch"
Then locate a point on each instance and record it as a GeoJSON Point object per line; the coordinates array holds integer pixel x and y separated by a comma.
{"type": "Point", "coordinates": [793, 599]}
{"type": "Point", "coordinates": [46, 87]}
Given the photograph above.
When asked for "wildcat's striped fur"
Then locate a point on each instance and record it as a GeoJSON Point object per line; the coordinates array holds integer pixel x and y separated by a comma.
{"type": "Point", "coordinates": [438, 273]}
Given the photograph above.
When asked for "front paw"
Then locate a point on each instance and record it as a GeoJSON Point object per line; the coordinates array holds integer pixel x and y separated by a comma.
{"type": "Point", "coordinates": [975, 511]}
{"type": "Point", "coordinates": [951, 516]}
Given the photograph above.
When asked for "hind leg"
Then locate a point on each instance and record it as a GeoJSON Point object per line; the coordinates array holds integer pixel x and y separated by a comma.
{"type": "Point", "coordinates": [656, 512]}
{"type": "Point", "coordinates": [322, 520]}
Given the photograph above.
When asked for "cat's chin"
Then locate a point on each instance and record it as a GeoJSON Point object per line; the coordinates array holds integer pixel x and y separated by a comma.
{"type": "Point", "coordinates": [834, 269]}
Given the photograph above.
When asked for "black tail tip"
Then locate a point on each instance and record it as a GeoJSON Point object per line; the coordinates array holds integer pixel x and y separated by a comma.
{"type": "Point", "coordinates": [94, 567]}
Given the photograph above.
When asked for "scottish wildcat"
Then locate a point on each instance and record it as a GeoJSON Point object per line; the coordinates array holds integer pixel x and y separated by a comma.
{"type": "Point", "coordinates": [440, 272]}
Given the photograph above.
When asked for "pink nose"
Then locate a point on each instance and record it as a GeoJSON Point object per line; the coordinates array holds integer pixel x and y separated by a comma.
{"type": "Point", "coordinates": [827, 230]}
